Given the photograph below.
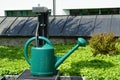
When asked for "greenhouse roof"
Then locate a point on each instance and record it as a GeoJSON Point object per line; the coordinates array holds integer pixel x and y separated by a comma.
{"type": "Point", "coordinates": [62, 25]}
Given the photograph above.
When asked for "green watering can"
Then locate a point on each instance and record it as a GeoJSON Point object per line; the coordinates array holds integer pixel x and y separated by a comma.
{"type": "Point", "coordinates": [43, 62]}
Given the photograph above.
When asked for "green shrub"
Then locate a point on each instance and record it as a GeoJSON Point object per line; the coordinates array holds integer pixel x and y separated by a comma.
{"type": "Point", "coordinates": [103, 44]}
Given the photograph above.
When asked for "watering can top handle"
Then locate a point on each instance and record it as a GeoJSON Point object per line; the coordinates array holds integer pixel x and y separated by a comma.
{"type": "Point", "coordinates": [28, 43]}
{"type": "Point", "coordinates": [40, 38]}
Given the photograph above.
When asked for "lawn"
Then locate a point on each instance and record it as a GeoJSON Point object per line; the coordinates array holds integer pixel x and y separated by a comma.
{"type": "Point", "coordinates": [80, 63]}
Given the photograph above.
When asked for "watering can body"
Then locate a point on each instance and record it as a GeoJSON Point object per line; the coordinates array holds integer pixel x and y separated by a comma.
{"type": "Point", "coordinates": [42, 61]}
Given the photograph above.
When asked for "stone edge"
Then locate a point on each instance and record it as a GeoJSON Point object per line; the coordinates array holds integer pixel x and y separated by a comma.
{"type": "Point", "coordinates": [14, 77]}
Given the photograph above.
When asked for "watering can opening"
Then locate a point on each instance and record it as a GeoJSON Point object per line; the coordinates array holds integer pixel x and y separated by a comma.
{"type": "Point", "coordinates": [81, 42]}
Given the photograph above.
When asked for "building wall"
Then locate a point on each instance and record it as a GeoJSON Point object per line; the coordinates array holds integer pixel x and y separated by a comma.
{"type": "Point", "coordinates": [9, 41]}
{"type": "Point", "coordinates": [62, 6]}
{"type": "Point", "coordinates": [20, 41]}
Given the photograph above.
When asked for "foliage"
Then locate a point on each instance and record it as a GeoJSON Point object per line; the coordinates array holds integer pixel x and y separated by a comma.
{"type": "Point", "coordinates": [99, 67]}
{"type": "Point", "coordinates": [80, 63]}
{"type": "Point", "coordinates": [13, 67]}
{"type": "Point", "coordinates": [103, 44]}
{"type": "Point", "coordinates": [12, 59]}
{"type": "Point", "coordinates": [61, 49]}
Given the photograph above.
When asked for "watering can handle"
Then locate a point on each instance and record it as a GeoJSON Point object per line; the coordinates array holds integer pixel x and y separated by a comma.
{"type": "Point", "coordinates": [28, 43]}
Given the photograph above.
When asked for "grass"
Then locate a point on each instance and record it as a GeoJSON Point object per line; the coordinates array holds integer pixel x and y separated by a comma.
{"type": "Point", "coordinates": [80, 63]}
{"type": "Point", "coordinates": [12, 60]}
{"type": "Point", "coordinates": [83, 63]}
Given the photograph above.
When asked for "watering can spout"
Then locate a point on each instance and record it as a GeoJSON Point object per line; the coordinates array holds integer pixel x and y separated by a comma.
{"type": "Point", "coordinates": [59, 60]}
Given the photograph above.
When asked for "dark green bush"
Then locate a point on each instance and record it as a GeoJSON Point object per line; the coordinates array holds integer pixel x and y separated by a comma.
{"type": "Point", "coordinates": [103, 44]}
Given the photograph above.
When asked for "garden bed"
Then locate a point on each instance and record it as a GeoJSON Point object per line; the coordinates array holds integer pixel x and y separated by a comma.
{"type": "Point", "coordinates": [14, 77]}
{"type": "Point", "coordinates": [80, 63]}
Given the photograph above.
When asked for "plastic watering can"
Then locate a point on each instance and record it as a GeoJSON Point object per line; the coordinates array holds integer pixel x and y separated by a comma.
{"type": "Point", "coordinates": [43, 62]}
